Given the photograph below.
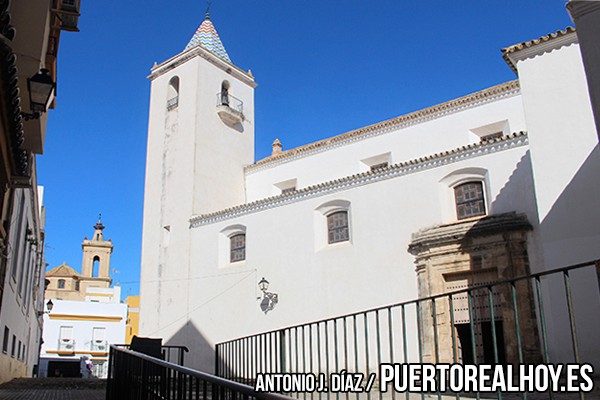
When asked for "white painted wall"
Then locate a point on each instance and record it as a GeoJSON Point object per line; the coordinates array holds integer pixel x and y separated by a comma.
{"type": "Point", "coordinates": [430, 137]}
{"type": "Point", "coordinates": [566, 162]}
{"type": "Point", "coordinates": [314, 282]}
{"type": "Point", "coordinates": [194, 165]}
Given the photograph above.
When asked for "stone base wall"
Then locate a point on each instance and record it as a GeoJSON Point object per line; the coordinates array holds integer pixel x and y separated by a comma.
{"type": "Point", "coordinates": [11, 369]}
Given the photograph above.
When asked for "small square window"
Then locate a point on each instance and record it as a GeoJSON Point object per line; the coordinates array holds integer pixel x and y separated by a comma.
{"type": "Point", "coordinates": [61, 283]}
{"type": "Point", "coordinates": [492, 136]}
{"type": "Point", "coordinates": [379, 166]}
{"type": "Point", "coordinates": [337, 227]}
{"type": "Point", "coordinates": [238, 247]}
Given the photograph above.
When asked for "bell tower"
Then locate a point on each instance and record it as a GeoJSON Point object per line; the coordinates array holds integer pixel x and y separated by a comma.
{"type": "Point", "coordinates": [95, 265]}
{"type": "Point", "coordinates": [200, 138]}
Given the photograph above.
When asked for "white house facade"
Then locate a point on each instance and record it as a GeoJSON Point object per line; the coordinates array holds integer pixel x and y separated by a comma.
{"type": "Point", "coordinates": [329, 224]}
{"type": "Point", "coordinates": [76, 331]}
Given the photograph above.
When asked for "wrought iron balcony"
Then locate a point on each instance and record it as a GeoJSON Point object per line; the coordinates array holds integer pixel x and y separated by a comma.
{"type": "Point", "coordinates": [172, 103]}
{"type": "Point", "coordinates": [66, 345]}
{"type": "Point", "coordinates": [230, 108]}
{"type": "Point", "coordinates": [99, 345]}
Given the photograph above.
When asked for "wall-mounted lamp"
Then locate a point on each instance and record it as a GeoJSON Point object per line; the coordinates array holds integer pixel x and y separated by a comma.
{"type": "Point", "coordinates": [41, 93]}
{"type": "Point", "coordinates": [269, 300]}
{"type": "Point", "coordinates": [49, 307]}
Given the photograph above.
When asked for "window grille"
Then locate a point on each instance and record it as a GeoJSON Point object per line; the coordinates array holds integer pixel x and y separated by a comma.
{"type": "Point", "coordinates": [469, 200]}
{"type": "Point", "coordinates": [238, 247]}
{"type": "Point", "coordinates": [337, 227]}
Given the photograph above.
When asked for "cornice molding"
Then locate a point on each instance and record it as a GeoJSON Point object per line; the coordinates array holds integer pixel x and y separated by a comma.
{"type": "Point", "coordinates": [521, 51]}
{"type": "Point", "coordinates": [503, 90]}
{"type": "Point", "coordinates": [457, 232]}
{"type": "Point", "coordinates": [365, 178]}
{"type": "Point", "coordinates": [181, 58]}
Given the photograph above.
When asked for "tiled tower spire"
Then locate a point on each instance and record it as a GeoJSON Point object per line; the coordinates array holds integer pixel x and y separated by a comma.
{"type": "Point", "coordinates": [206, 36]}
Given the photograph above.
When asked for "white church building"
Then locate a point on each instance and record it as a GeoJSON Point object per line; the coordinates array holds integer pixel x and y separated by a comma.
{"type": "Point", "coordinates": [345, 223]}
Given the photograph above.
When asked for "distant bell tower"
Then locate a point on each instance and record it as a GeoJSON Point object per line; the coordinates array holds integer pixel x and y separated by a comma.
{"type": "Point", "coordinates": [200, 138]}
{"type": "Point", "coordinates": [95, 265]}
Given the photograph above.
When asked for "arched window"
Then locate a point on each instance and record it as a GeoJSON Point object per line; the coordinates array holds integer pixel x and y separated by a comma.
{"type": "Point", "coordinates": [469, 200]}
{"type": "Point", "coordinates": [61, 283]}
{"type": "Point", "coordinates": [337, 227]}
{"type": "Point", "coordinates": [225, 93]}
{"type": "Point", "coordinates": [237, 250]}
{"type": "Point", "coordinates": [95, 266]}
{"type": "Point", "coordinates": [173, 94]}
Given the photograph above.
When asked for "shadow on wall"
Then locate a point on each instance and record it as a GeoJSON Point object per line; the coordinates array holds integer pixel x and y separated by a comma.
{"type": "Point", "coordinates": [202, 354]}
{"type": "Point", "coordinates": [518, 193]}
{"type": "Point", "coordinates": [571, 234]}
{"type": "Point", "coordinates": [567, 235]}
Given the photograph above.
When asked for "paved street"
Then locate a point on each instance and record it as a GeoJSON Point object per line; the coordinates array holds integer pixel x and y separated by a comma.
{"type": "Point", "coordinates": [53, 389]}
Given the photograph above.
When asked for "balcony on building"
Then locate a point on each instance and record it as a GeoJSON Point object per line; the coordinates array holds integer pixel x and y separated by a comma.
{"type": "Point", "coordinates": [66, 346]}
{"type": "Point", "coordinates": [230, 108]}
{"type": "Point", "coordinates": [68, 12]}
{"type": "Point", "coordinates": [99, 346]}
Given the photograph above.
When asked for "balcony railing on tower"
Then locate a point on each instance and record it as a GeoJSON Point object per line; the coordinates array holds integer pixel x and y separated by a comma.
{"type": "Point", "coordinates": [230, 108]}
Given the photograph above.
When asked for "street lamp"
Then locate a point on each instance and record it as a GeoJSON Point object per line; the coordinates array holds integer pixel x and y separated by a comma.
{"type": "Point", "coordinates": [49, 307]}
{"type": "Point", "coordinates": [269, 300]}
{"type": "Point", "coordinates": [41, 93]}
{"type": "Point", "coordinates": [263, 284]}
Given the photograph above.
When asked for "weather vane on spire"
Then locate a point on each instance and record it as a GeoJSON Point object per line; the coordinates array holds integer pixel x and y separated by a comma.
{"type": "Point", "coordinates": [99, 225]}
{"type": "Point", "coordinates": [207, 13]}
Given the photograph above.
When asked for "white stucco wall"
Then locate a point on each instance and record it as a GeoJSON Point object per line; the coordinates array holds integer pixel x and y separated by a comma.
{"type": "Point", "coordinates": [566, 161]}
{"type": "Point", "coordinates": [194, 165]}
{"type": "Point", "coordinates": [316, 280]}
{"type": "Point", "coordinates": [418, 140]}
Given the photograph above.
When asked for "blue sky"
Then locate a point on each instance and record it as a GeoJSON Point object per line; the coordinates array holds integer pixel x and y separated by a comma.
{"type": "Point", "coordinates": [323, 67]}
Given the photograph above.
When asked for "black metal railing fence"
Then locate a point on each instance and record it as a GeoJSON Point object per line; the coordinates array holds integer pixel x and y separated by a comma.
{"type": "Point", "coordinates": [134, 375]}
{"type": "Point", "coordinates": [169, 353]}
{"type": "Point", "coordinates": [502, 322]}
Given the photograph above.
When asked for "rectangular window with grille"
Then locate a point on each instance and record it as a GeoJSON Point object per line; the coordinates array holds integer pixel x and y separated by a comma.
{"type": "Point", "coordinates": [238, 247]}
{"type": "Point", "coordinates": [469, 200]}
{"type": "Point", "coordinates": [337, 227]}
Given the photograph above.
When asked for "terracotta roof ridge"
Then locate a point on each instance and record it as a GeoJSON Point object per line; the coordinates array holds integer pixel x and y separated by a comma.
{"type": "Point", "coordinates": [541, 39]}
{"type": "Point", "coordinates": [534, 42]}
{"type": "Point", "coordinates": [411, 165]}
{"type": "Point", "coordinates": [404, 119]}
